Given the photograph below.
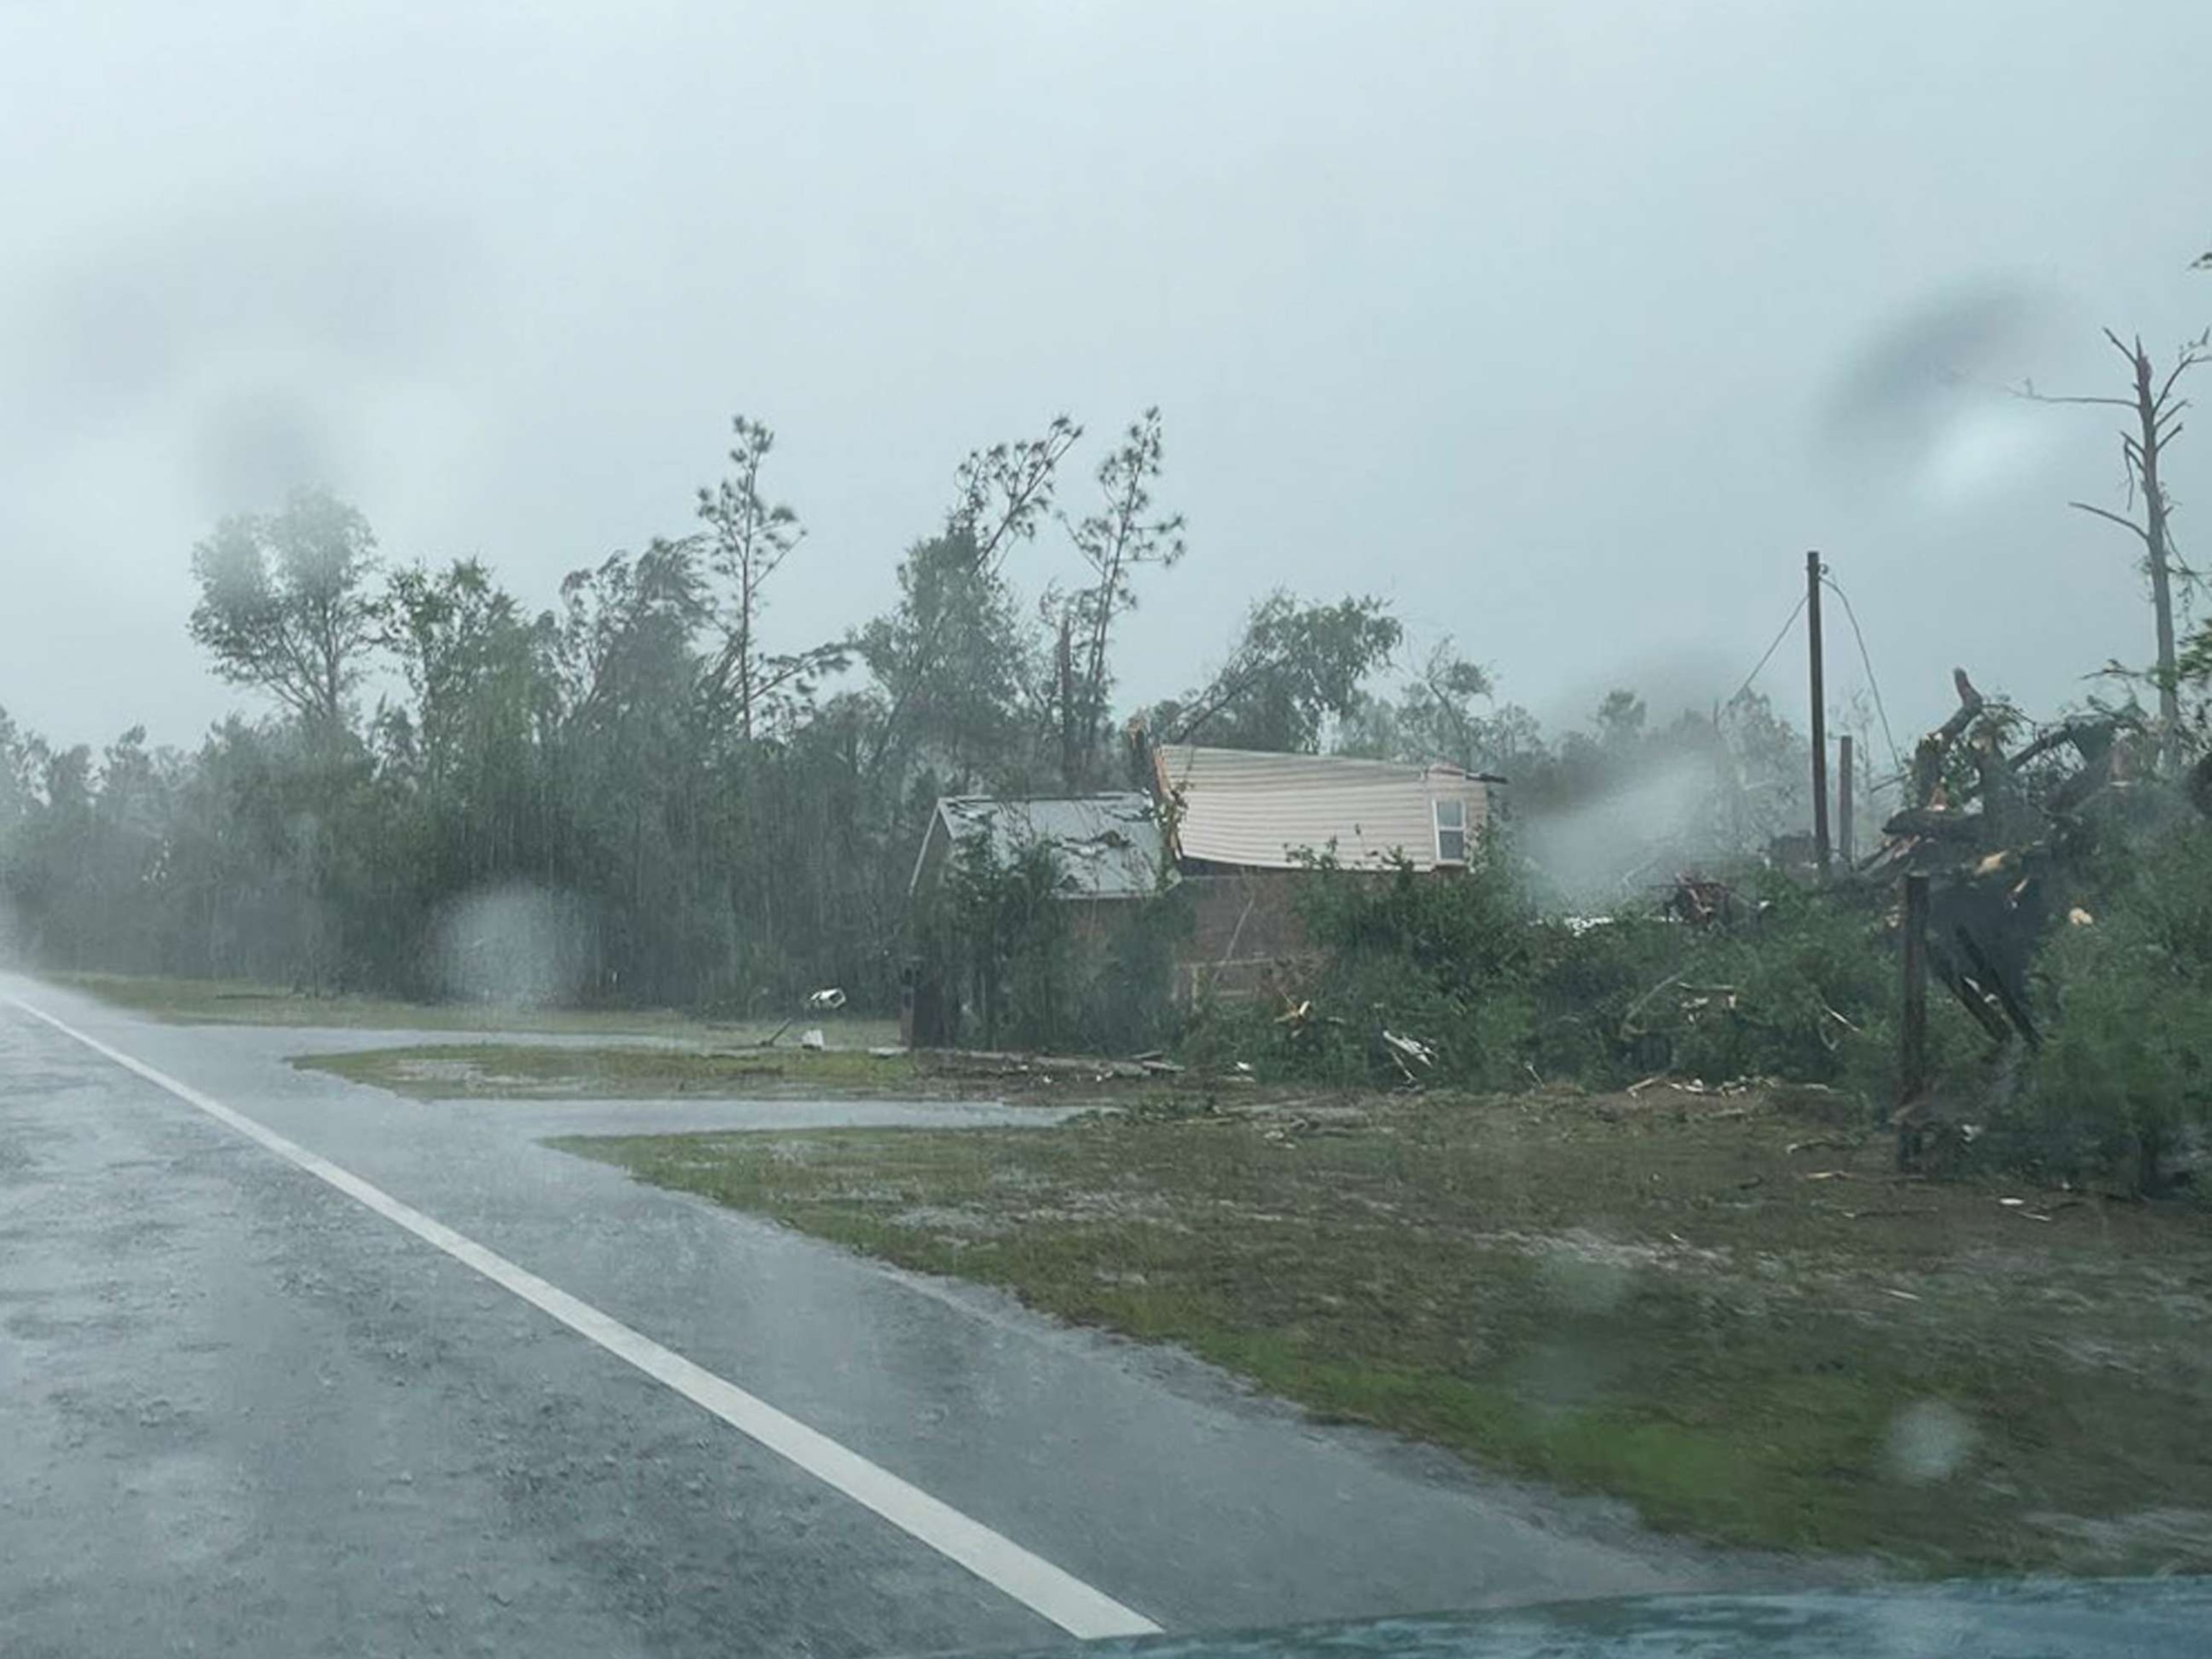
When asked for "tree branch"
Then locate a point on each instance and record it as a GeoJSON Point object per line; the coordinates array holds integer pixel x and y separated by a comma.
{"type": "Point", "coordinates": [2125, 524]}
{"type": "Point", "coordinates": [2187, 360]}
{"type": "Point", "coordinates": [1224, 691]}
{"type": "Point", "coordinates": [2034, 395]}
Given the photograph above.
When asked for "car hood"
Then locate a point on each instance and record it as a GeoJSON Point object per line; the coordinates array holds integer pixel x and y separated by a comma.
{"type": "Point", "coordinates": [2025, 1619]}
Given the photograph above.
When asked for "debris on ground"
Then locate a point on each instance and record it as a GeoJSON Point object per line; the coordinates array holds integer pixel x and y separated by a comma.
{"type": "Point", "coordinates": [1701, 902]}
{"type": "Point", "coordinates": [1406, 1052]}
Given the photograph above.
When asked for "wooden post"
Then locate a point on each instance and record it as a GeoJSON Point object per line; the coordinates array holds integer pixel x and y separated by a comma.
{"type": "Point", "coordinates": [1912, 1028]}
{"type": "Point", "coordinates": [1844, 802]}
{"type": "Point", "coordinates": [1820, 712]}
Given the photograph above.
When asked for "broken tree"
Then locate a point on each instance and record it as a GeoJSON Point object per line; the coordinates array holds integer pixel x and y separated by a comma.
{"type": "Point", "coordinates": [2157, 409]}
{"type": "Point", "coordinates": [1999, 826]}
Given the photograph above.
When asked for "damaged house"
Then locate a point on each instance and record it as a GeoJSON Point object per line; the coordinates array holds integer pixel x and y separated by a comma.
{"type": "Point", "coordinates": [1109, 847]}
{"type": "Point", "coordinates": [1224, 834]}
{"type": "Point", "coordinates": [1246, 827]}
{"type": "Point", "coordinates": [1107, 853]}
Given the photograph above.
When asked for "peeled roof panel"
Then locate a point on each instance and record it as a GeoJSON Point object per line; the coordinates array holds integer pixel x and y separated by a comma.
{"type": "Point", "coordinates": [1109, 846]}
{"type": "Point", "coordinates": [1244, 808]}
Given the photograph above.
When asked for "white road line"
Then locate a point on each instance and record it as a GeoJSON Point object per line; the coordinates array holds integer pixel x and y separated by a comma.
{"type": "Point", "coordinates": [1037, 1584]}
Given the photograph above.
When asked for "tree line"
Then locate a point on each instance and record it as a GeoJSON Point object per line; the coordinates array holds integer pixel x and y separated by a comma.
{"type": "Point", "coordinates": [734, 818]}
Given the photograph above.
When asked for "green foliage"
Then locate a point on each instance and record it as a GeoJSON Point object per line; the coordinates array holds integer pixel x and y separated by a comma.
{"type": "Point", "coordinates": [1114, 544]}
{"type": "Point", "coordinates": [1798, 986]}
{"type": "Point", "coordinates": [284, 602]}
{"type": "Point", "coordinates": [953, 654]}
{"type": "Point", "coordinates": [745, 688]}
{"type": "Point", "coordinates": [1000, 930]}
{"type": "Point", "coordinates": [1436, 717]}
{"type": "Point", "coordinates": [2126, 1075]}
{"type": "Point", "coordinates": [1296, 666]}
{"type": "Point", "coordinates": [1590, 982]}
{"type": "Point", "coordinates": [1446, 959]}
{"type": "Point", "coordinates": [1034, 968]}
{"type": "Point", "coordinates": [1620, 720]}
{"type": "Point", "coordinates": [1123, 1005]}
{"type": "Point", "coordinates": [676, 784]}
{"type": "Point", "coordinates": [1810, 977]}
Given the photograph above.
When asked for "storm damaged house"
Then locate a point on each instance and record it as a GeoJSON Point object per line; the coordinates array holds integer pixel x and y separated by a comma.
{"type": "Point", "coordinates": [1245, 828]}
{"type": "Point", "coordinates": [1226, 835]}
{"type": "Point", "coordinates": [1107, 853]}
{"type": "Point", "coordinates": [1108, 846]}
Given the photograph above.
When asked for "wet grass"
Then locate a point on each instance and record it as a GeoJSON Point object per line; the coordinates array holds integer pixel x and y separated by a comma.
{"type": "Point", "coordinates": [242, 1002]}
{"type": "Point", "coordinates": [516, 1071]}
{"type": "Point", "coordinates": [1730, 1312]}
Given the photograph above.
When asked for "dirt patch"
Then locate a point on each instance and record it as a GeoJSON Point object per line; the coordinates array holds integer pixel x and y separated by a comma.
{"type": "Point", "coordinates": [494, 1071]}
{"type": "Point", "coordinates": [522, 1070]}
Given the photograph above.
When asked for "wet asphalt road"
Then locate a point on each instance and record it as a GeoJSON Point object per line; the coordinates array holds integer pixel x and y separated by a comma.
{"type": "Point", "coordinates": [240, 1414]}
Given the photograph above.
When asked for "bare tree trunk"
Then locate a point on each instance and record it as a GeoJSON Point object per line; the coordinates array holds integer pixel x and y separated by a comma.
{"type": "Point", "coordinates": [2157, 553]}
{"type": "Point", "coordinates": [746, 660]}
{"type": "Point", "coordinates": [2157, 412]}
{"type": "Point", "coordinates": [1070, 761]}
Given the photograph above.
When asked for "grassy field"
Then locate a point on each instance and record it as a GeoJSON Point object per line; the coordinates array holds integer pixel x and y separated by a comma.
{"type": "Point", "coordinates": [241, 1002]}
{"type": "Point", "coordinates": [1727, 1311]}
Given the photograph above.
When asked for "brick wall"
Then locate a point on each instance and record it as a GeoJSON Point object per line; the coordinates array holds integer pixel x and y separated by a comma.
{"type": "Point", "coordinates": [1245, 929]}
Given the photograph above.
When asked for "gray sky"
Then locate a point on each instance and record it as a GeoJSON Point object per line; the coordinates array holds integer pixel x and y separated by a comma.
{"type": "Point", "coordinates": [1565, 326]}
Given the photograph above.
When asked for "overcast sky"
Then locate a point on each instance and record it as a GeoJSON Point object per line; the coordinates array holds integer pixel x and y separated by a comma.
{"type": "Point", "coordinates": [1566, 327]}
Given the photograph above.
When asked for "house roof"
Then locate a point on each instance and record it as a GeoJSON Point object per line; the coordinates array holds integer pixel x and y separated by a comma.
{"type": "Point", "coordinates": [1256, 811]}
{"type": "Point", "coordinates": [1109, 846]}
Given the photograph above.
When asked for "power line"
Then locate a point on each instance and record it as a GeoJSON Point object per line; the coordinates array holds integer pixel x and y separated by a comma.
{"type": "Point", "coordinates": [1866, 662]}
{"type": "Point", "coordinates": [1780, 634]}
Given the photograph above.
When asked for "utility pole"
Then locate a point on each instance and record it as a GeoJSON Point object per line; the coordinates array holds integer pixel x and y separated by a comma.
{"type": "Point", "coordinates": [1820, 713]}
{"type": "Point", "coordinates": [1844, 847]}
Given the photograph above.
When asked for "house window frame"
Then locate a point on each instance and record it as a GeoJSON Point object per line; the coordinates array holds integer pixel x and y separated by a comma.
{"type": "Point", "coordinates": [1439, 828]}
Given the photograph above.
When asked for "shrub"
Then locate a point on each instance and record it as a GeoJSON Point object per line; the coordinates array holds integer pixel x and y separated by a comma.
{"type": "Point", "coordinates": [1801, 988]}
{"type": "Point", "coordinates": [1445, 958]}
{"type": "Point", "coordinates": [1126, 975]}
{"type": "Point", "coordinates": [2126, 1076]}
{"type": "Point", "coordinates": [1588, 980]}
{"type": "Point", "coordinates": [1030, 967]}
{"type": "Point", "coordinates": [1813, 977]}
{"type": "Point", "coordinates": [997, 932]}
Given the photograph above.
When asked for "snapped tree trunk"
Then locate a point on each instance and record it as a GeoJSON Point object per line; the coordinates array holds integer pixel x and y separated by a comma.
{"type": "Point", "coordinates": [2158, 554]}
{"type": "Point", "coordinates": [2157, 411]}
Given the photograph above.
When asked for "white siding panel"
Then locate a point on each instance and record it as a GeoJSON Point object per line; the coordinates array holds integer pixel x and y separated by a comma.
{"type": "Point", "coordinates": [1256, 811]}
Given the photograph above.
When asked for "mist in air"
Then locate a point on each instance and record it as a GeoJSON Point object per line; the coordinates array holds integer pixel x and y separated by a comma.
{"type": "Point", "coordinates": [526, 553]}
{"type": "Point", "coordinates": [1566, 339]}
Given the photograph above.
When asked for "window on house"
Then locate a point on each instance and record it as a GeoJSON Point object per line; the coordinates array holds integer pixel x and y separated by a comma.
{"type": "Point", "coordinates": [1451, 831]}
